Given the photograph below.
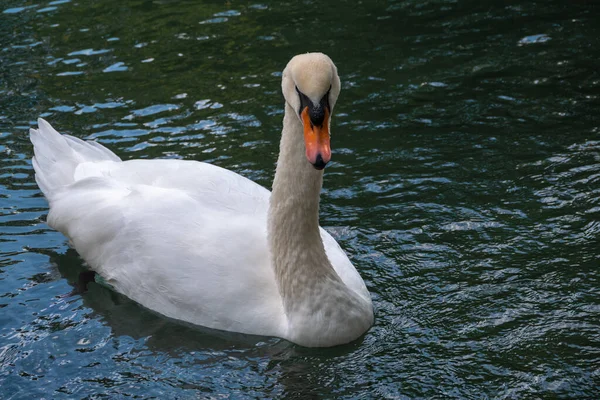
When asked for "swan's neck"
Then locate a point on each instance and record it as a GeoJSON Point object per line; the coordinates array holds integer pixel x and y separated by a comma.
{"type": "Point", "coordinates": [320, 309]}
{"type": "Point", "coordinates": [299, 258]}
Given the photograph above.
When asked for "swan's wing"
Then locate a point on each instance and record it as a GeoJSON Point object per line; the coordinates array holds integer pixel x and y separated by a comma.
{"type": "Point", "coordinates": [212, 186]}
{"type": "Point", "coordinates": [343, 266]}
{"type": "Point", "coordinates": [185, 239]}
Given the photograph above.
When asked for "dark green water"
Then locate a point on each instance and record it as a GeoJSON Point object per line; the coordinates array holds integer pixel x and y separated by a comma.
{"type": "Point", "coordinates": [465, 187]}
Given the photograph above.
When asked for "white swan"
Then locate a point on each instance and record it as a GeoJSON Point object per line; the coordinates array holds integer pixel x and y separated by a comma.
{"type": "Point", "coordinates": [205, 245]}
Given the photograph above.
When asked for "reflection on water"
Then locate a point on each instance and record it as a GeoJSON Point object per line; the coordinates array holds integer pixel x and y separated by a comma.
{"type": "Point", "coordinates": [464, 186]}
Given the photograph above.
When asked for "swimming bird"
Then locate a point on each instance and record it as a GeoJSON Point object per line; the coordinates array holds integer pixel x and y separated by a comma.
{"type": "Point", "coordinates": [202, 244]}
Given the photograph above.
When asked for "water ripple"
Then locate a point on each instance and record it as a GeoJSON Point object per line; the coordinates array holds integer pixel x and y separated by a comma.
{"type": "Point", "coordinates": [464, 186]}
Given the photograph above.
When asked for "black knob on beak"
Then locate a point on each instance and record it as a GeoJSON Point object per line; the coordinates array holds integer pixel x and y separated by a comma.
{"type": "Point", "coordinates": [317, 114]}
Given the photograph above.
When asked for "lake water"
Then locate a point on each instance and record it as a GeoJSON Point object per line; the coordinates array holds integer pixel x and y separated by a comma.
{"type": "Point", "coordinates": [465, 187]}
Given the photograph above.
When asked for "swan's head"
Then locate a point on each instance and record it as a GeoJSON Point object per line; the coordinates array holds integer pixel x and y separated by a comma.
{"type": "Point", "coordinates": [311, 86]}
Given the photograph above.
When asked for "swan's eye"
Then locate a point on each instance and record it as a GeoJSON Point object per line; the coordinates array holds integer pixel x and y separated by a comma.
{"type": "Point", "coordinates": [304, 101]}
{"type": "Point", "coordinates": [325, 99]}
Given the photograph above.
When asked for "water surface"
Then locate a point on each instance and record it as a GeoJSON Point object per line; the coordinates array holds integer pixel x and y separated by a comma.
{"type": "Point", "coordinates": [465, 187]}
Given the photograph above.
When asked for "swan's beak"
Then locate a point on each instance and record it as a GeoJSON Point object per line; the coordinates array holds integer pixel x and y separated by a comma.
{"type": "Point", "coordinates": [316, 138]}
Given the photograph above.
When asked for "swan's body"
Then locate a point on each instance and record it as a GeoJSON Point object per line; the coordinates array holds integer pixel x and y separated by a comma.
{"type": "Point", "coordinates": [205, 245]}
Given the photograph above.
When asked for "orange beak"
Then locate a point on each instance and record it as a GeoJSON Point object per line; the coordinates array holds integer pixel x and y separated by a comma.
{"type": "Point", "coordinates": [316, 138]}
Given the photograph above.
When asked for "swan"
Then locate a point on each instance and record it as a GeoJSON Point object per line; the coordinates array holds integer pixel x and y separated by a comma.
{"type": "Point", "coordinates": [204, 245]}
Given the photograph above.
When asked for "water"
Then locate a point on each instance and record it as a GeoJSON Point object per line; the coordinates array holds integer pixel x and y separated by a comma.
{"type": "Point", "coordinates": [465, 187]}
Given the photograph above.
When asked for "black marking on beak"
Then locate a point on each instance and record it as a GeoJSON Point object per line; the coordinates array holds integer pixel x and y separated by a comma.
{"type": "Point", "coordinates": [319, 163]}
{"type": "Point", "coordinates": [316, 112]}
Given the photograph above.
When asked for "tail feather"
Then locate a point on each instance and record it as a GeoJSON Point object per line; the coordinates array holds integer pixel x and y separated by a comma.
{"type": "Point", "coordinates": [92, 151]}
{"type": "Point", "coordinates": [57, 156]}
